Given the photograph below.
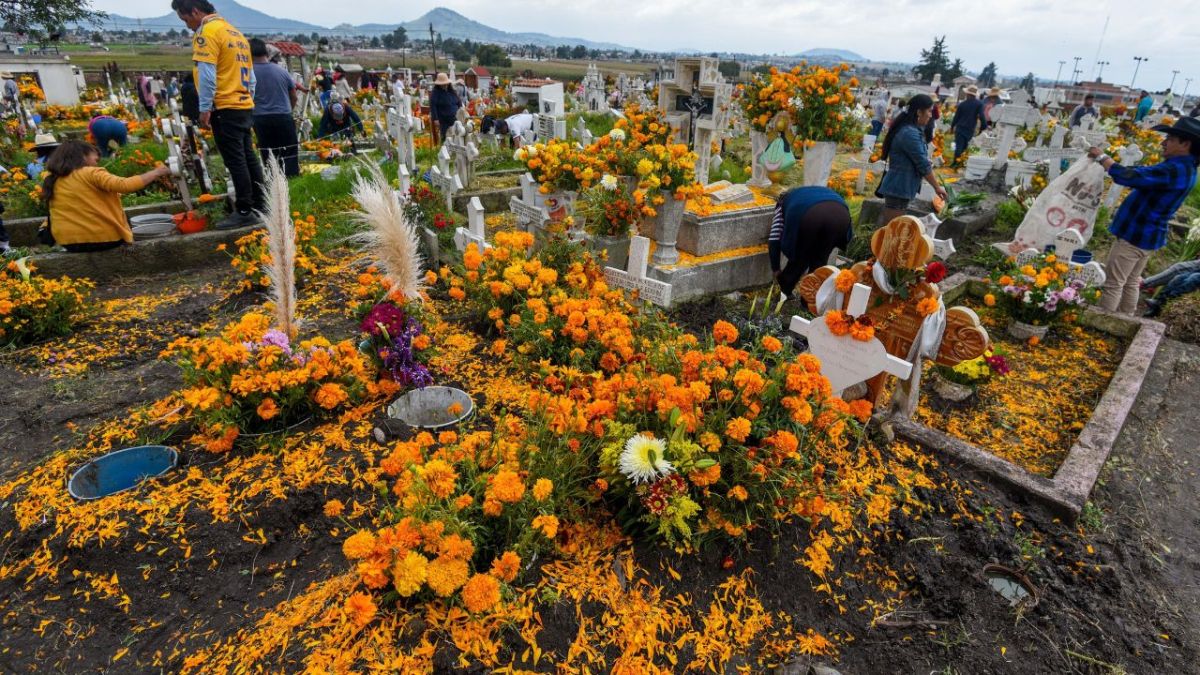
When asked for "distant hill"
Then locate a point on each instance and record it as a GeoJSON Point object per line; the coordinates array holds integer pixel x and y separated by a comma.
{"type": "Point", "coordinates": [448, 23]}
{"type": "Point", "coordinates": [825, 53]}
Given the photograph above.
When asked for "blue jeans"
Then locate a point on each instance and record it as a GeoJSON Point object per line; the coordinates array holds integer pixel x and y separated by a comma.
{"type": "Point", "coordinates": [876, 127]}
{"type": "Point", "coordinates": [1165, 276]}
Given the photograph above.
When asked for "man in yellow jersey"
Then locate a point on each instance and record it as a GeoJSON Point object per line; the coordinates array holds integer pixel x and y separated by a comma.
{"type": "Point", "coordinates": [224, 76]}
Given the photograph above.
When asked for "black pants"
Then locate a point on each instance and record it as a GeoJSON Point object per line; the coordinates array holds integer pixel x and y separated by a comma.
{"type": "Point", "coordinates": [277, 136]}
{"type": "Point", "coordinates": [231, 129]}
{"type": "Point", "coordinates": [825, 227]}
{"type": "Point", "coordinates": [93, 247]}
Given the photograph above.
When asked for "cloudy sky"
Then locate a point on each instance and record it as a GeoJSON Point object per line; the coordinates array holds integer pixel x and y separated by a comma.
{"type": "Point", "coordinates": [1019, 35]}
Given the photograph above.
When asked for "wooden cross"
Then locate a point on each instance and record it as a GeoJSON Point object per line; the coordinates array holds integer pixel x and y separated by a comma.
{"type": "Point", "coordinates": [845, 360]}
{"type": "Point", "coordinates": [903, 244]}
{"type": "Point", "coordinates": [474, 231]}
{"type": "Point", "coordinates": [634, 278]}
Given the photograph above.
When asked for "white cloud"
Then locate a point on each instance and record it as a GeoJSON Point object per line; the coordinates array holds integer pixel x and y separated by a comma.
{"type": "Point", "coordinates": [1019, 35]}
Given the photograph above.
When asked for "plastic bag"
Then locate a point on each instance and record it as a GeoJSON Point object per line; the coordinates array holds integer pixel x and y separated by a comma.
{"type": "Point", "coordinates": [1069, 203]}
{"type": "Point", "coordinates": [778, 156]}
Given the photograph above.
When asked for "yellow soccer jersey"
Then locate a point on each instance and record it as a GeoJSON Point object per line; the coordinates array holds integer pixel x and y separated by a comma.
{"type": "Point", "coordinates": [219, 43]}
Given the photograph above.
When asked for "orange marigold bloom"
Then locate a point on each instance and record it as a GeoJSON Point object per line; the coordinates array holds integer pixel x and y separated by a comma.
{"type": "Point", "coordinates": [482, 592]}
{"type": "Point", "coordinates": [989, 300]}
{"type": "Point", "coordinates": [506, 566]}
{"type": "Point", "coordinates": [446, 575]}
{"type": "Point", "coordinates": [738, 429]}
{"type": "Point", "coordinates": [542, 489]}
{"type": "Point", "coordinates": [431, 277]}
{"type": "Point", "coordinates": [267, 409]}
{"type": "Point", "coordinates": [705, 477]}
{"type": "Point", "coordinates": [359, 545]}
{"type": "Point", "coordinates": [330, 395]}
{"type": "Point", "coordinates": [861, 409]}
{"type": "Point", "coordinates": [739, 493]}
{"type": "Point", "coordinates": [360, 608]}
{"type": "Point", "coordinates": [507, 486]}
{"type": "Point", "coordinates": [457, 547]}
{"type": "Point", "coordinates": [457, 293]}
{"type": "Point", "coordinates": [771, 344]}
{"type": "Point", "coordinates": [724, 332]}
{"type": "Point", "coordinates": [440, 477]}
{"type": "Point", "coordinates": [547, 524]}
{"type": "Point", "coordinates": [463, 502]}
{"type": "Point", "coordinates": [845, 281]}
{"type": "Point", "coordinates": [421, 341]}
{"type": "Point", "coordinates": [334, 508]}
{"type": "Point", "coordinates": [927, 306]}
{"type": "Point", "coordinates": [409, 573]}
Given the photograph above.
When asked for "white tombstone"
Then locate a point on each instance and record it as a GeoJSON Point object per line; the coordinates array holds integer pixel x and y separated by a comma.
{"type": "Point", "coordinates": [846, 361]}
{"type": "Point", "coordinates": [405, 179]}
{"type": "Point", "coordinates": [474, 231]}
{"type": "Point", "coordinates": [462, 151]}
{"type": "Point", "coordinates": [527, 208]}
{"type": "Point", "coordinates": [633, 277]}
{"type": "Point", "coordinates": [548, 127]}
{"type": "Point", "coordinates": [448, 183]}
{"type": "Point", "coordinates": [1010, 119]}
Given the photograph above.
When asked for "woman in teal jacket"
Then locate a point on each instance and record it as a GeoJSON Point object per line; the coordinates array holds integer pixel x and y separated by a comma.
{"type": "Point", "coordinates": [907, 155]}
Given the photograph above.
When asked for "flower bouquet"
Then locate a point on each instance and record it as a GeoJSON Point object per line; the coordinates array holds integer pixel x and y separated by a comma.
{"type": "Point", "coordinates": [958, 383]}
{"type": "Point", "coordinates": [1037, 293]}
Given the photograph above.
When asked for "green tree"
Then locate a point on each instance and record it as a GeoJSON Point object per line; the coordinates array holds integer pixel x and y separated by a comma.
{"type": "Point", "coordinates": [987, 77]}
{"type": "Point", "coordinates": [492, 55]}
{"type": "Point", "coordinates": [375, 44]}
{"type": "Point", "coordinates": [954, 70]}
{"type": "Point", "coordinates": [730, 69]}
{"type": "Point", "coordinates": [25, 15]}
{"type": "Point", "coordinates": [1028, 82]}
{"type": "Point", "coordinates": [933, 60]}
{"type": "Point", "coordinates": [579, 52]}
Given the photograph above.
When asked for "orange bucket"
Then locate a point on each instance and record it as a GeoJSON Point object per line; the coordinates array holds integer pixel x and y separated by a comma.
{"type": "Point", "coordinates": [190, 222]}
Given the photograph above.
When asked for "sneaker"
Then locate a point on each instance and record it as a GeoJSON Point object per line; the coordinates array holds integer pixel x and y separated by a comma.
{"type": "Point", "coordinates": [1153, 309]}
{"type": "Point", "coordinates": [238, 220]}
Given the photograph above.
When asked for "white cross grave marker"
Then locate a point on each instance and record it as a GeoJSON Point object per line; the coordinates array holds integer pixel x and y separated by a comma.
{"type": "Point", "coordinates": [447, 182]}
{"type": "Point", "coordinates": [634, 276]}
{"type": "Point", "coordinates": [847, 361]}
{"type": "Point", "coordinates": [527, 209]}
{"type": "Point", "coordinates": [474, 231]}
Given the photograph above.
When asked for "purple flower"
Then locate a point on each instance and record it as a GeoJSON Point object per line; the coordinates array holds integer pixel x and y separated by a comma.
{"type": "Point", "coordinates": [277, 338]}
{"type": "Point", "coordinates": [401, 362]}
{"type": "Point", "coordinates": [1068, 294]}
{"type": "Point", "coordinates": [384, 318]}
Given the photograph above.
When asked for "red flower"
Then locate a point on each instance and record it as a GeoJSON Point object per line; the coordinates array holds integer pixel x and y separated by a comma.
{"type": "Point", "coordinates": [439, 221]}
{"type": "Point", "coordinates": [935, 272]}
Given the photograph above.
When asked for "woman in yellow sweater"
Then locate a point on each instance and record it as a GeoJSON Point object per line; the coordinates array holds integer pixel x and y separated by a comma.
{"type": "Point", "coordinates": [85, 199]}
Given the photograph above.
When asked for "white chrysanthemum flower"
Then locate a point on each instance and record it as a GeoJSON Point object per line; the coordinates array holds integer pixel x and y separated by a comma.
{"type": "Point", "coordinates": [617, 134]}
{"type": "Point", "coordinates": [797, 103]}
{"type": "Point", "coordinates": [608, 182]}
{"type": "Point", "coordinates": [519, 154]}
{"type": "Point", "coordinates": [643, 459]}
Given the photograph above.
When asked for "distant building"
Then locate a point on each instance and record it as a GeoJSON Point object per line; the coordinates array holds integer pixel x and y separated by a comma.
{"type": "Point", "coordinates": [478, 78]}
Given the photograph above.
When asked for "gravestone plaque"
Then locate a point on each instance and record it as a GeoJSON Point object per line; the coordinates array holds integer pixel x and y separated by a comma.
{"type": "Point", "coordinates": [634, 278]}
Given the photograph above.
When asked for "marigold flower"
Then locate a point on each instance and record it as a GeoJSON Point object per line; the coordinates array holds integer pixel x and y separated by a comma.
{"type": "Point", "coordinates": [360, 608]}
{"type": "Point", "coordinates": [738, 429]}
{"type": "Point", "coordinates": [547, 524]}
{"type": "Point", "coordinates": [359, 545]}
{"type": "Point", "coordinates": [330, 395]}
{"type": "Point", "coordinates": [724, 332]}
{"type": "Point", "coordinates": [542, 489]}
{"type": "Point", "coordinates": [440, 478]}
{"type": "Point", "coordinates": [409, 573]}
{"type": "Point", "coordinates": [481, 593]}
{"type": "Point", "coordinates": [737, 492]}
{"type": "Point", "coordinates": [446, 575]}
{"type": "Point", "coordinates": [506, 566]}
{"type": "Point", "coordinates": [334, 508]}
{"type": "Point", "coordinates": [267, 409]}
{"type": "Point", "coordinates": [771, 344]}
{"type": "Point", "coordinates": [845, 281]}
{"type": "Point", "coordinates": [507, 487]}
{"type": "Point", "coordinates": [927, 306]}
{"type": "Point", "coordinates": [989, 300]}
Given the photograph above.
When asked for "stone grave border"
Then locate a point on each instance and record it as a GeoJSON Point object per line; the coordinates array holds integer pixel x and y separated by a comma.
{"type": "Point", "coordinates": [1069, 489]}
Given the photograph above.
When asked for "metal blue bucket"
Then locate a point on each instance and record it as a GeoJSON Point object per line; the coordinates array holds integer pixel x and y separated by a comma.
{"type": "Point", "coordinates": [120, 470]}
{"type": "Point", "coordinates": [1081, 257]}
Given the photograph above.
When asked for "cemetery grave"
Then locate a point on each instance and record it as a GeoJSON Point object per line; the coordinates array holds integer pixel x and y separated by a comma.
{"type": "Point", "coordinates": [649, 478]}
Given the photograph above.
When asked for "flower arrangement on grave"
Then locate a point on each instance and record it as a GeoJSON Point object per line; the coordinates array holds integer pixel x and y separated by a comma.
{"type": "Point", "coordinates": [664, 170]}
{"type": "Point", "coordinates": [22, 193]}
{"type": "Point", "coordinates": [34, 308]}
{"type": "Point", "coordinates": [552, 305]}
{"type": "Point", "coordinates": [397, 341]}
{"type": "Point", "coordinates": [426, 207]}
{"type": "Point", "coordinates": [823, 106]}
{"type": "Point", "coordinates": [903, 280]}
{"type": "Point", "coordinates": [559, 165]}
{"type": "Point", "coordinates": [251, 254]}
{"type": "Point", "coordinates": [1037, 292]}
{"type": "Point", "coordinates": [252, 378]}
{"type": "Point", "coordinates": [607, 209]}
{"type": "Point", "coordinates": [968, 375]}
{"type": "Point", "coordinates": [714, 442]}
{"type": "Point", "coordinates": [29, 89]}
{"type": "Point", "coordinates": [768, 94]}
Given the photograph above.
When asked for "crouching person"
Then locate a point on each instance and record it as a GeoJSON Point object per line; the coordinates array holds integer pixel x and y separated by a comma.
{"type": "Point", "coordinates": [84, 199]}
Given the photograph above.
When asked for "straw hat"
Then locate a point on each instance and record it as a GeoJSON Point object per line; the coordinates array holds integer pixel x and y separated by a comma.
{"type": "Point", "coordinates": [994, 91]}
{"type": "Point", "coordinates": [442, 78]}
{"type": "Point", "coordinates": [971, 90]}
{"type": "Point", "coordinates": [5, 74]}
{"type": "Point", "coordinates": [45, 141]}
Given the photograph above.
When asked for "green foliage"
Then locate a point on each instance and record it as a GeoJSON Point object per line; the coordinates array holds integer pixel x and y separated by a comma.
{"type": "Point", "coordinates": [1009, 214]}
{"type": "Point", "coordinates": [730, 69]}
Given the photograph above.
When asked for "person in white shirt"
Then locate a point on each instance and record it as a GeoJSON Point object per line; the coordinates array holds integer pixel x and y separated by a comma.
{"type": "Point", "coordinates": [515, 126]}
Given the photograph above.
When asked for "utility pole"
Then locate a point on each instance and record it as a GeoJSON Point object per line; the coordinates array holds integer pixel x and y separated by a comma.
{"type": "Point", "coordinates": [1058, 76]}
{"type": "Point", "coordinates": [1100, 75]}
{"type": "Point", "coordinates": [1136, 66]}
{"type": "Point", "coordinates": [1183, 99]}
{"type": "Point", "coordinates": [1173, 74]}
{"type": "Point", "coordinates": [433, 47]}
{"type": "Point", "coordinates": [1076, 71]}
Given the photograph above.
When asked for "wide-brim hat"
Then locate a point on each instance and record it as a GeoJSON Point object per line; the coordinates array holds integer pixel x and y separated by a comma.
{"type": "Point", "coordinates": [994, 91]}
{"type": "Point", "coordinates": [442, 78]}
{"type": "Point", "coordinates": [972, 90]}
{"type": "Point", "coordinates": [45, 141]}
{"type": "Point", "coordinates": [5, 74]}
{"type": "Point", "coordinates": [1185, 127]}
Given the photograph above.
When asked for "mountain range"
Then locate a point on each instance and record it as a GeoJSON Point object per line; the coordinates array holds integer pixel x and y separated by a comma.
{"type": "Point", "coordinates": [446, 22]}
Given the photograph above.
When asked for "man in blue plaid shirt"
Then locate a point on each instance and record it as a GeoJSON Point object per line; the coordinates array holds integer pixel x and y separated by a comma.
{"type": "Point", "coordinates": [1141, 223]}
